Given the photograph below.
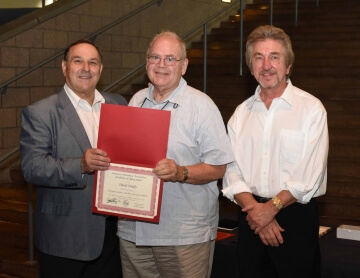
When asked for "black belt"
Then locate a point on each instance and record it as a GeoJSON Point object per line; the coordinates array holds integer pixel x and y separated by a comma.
{"type": "Point", "coordinates": [261, 199]}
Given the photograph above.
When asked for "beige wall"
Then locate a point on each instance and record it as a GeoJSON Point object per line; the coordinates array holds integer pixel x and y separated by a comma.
{"type": "Point", "coordinates": [123, 47]}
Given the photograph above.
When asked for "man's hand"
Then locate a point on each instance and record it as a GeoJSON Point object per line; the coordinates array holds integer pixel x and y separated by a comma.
{"type": "Point", "coordinates": [259, 215]}
{"type": "Point", "coordinates": [94, 159]}
{"type": "Point", "coordinates": [168, 170]}
{"type": "Point", "coordinates": [271, 234]}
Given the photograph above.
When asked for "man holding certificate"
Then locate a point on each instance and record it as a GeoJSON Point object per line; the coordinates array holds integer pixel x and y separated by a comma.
{"type": "Point", "coordinates": [58, 154]}
{"type": "Point", "coordinates": [182, 243]}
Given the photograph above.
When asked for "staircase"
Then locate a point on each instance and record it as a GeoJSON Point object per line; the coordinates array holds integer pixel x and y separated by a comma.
{"type": "Point", "coordinates": [14, 235]}
{"type": "Point", "coordinates": [325, 42]}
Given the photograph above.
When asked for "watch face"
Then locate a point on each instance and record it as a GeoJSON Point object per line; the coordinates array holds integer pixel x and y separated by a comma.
{"type": "Point", "coordinates": [277, 202]}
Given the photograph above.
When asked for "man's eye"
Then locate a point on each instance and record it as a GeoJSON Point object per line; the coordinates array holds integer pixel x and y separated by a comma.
{"type": "Point", "coordinates": [155, 58]}
{"type": "Point", "coordinates": [170, 59]}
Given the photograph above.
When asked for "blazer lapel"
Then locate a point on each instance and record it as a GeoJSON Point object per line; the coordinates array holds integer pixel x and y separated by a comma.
{"type": "Point", "coordinates": [71, 118]}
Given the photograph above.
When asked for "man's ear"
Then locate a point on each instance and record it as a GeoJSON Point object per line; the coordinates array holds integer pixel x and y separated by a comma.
{"type": "Point", "coordinates": [63, 67]}
{"type": "Point", "coordinates": [184, 66]}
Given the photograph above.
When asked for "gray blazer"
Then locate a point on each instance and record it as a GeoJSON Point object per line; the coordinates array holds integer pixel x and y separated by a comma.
{"type": "Point", "coordinates": [52, 142]}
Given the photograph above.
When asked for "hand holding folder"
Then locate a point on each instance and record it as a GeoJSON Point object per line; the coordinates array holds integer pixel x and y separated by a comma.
{"type": "Point", "coordinates": [135, 139]}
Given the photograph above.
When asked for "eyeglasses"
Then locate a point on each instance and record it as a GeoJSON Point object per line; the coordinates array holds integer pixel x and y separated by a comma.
{"type": "Point", "coordinates": [169, 61]}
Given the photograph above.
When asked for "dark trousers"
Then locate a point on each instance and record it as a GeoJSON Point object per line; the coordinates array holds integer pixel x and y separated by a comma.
{"type": "Point", "coordinates": [108, 265]}
{"type": "Point", "coordinates": [298, 256]}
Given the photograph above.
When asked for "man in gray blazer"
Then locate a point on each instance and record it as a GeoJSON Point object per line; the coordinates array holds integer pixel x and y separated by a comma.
{"type": "Point", "coordinates": [58, 154]}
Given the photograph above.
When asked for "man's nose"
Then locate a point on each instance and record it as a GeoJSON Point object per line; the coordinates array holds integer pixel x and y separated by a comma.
{"type": "Point", "coordinates": [266, 63]}
{"type": "Point", "coordinates": [86, 66]}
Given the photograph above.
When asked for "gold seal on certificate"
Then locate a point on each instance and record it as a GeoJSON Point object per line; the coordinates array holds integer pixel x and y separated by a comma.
{"type": "Point", "coordinates": [128, 190]}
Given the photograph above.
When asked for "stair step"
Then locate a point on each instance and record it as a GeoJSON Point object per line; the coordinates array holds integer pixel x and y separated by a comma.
{"type": "Point", "coordinates": [346, 186]}
{"type": "Point", "coordinates": [16, 192]}
{"type": "Point", "coordinates": [345, 167]}
{"type": "Point", "coordinates": [309, 53]}
{"type": "Point", "coordinates": [15, 263]}
{"type": "Point", "coordinates": [320, 62]}
{"type": "Point", "coordinates": [317, 35]}
{"type": "Point", "coordinates": [342, 106]}
{"type": "Point", "coordinates": [14, 212]}
{"type": "Point", "coordinates": [331, 221]}
{"type": "Point", "coordinates": [292, 31]}
{"type": "Point", "coordinates": [342, 200]}
{"type": "Point", "coordinates": [347, 120]}
{"type": "Point", "coordinates": [17, 176]}
{"type": "Point", "coordinates": [338, 206]}
{"type": "Point", "coordinates": [13, 235]}
{"type": "Point", "coordinates": [248, 88]}
{"type": "Point", "coordinates": [299, 44]}
{"type": "Point", "coordinates": [197, 70]}
{"type": "Point", "coordinates": [343, 134]}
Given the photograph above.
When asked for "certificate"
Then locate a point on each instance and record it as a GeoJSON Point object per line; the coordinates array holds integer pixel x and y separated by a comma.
{"type": "Point", "coordinates": [129, 190]}
{"type": "Point", "coordinates": [135, 139]}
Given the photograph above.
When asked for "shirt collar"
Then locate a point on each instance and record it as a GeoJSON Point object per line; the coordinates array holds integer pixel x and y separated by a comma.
{"type": "Point", "coordinates": [287, 95]}
{"type": "Point", "coordinates": [174, 99]}
{"type": "Point", "coordinates": [75, 99]}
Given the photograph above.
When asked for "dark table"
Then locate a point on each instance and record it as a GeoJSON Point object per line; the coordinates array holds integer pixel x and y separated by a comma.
{"type": "Point", "coordinates": [340, 257]}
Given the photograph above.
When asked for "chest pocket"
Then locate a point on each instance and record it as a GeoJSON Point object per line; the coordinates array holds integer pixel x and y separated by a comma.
{"type": "Point", "coordinates": [291, 146]}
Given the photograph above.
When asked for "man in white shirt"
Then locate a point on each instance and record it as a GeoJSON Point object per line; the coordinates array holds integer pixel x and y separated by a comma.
{"type": "Point", "coordinates": [280, 140]}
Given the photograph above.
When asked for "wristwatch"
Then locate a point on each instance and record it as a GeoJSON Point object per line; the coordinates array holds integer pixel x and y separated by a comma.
{"type": "Point", "coordinates": [185, 173]}
{"type": "Point", "coordinates": [277, 202]}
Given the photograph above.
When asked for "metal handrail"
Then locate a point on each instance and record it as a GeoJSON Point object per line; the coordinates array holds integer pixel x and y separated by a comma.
{"type": "Point", "coordinates": [296, 11]}
{"type": "Point", "coordinates": [9, 154]}
{"type": "Point", "coordinates": [241, 37]}
{"type": "Point", "coordinates": [92, 37]}
{"type": "Point", "coordinates": [204, 25]}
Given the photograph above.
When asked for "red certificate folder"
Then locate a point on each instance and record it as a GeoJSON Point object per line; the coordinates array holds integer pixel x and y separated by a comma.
{"type": "Point", "coordinates": [135, 139]}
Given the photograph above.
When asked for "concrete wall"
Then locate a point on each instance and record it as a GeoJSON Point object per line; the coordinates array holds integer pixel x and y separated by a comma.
{"type": "Point", "coordinates": [123, 47]}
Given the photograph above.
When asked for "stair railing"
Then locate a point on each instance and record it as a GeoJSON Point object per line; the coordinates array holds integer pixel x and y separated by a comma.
{"type": "Point", "coordinates": [203, 25]}
{"type": "Point", "coordinates": [296, 11]}
{"type": "Point", "coordinates": [9, 154]}
{"type": "Point", "coordinates": [92, 37]}
{"type": "Point", "coordinates": [31, 260]}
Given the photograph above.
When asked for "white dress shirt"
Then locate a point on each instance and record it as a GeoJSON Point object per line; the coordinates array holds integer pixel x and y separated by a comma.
{"type": "Point", "coordinates": [284, 147]}
{"type": "Point", "coordinates": [88, 114]}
